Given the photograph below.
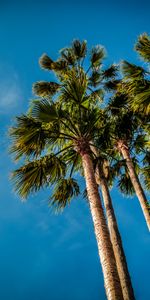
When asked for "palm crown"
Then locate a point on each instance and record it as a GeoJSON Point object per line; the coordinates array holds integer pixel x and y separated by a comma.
{"type": "Point", "coordinates": [62, 123]}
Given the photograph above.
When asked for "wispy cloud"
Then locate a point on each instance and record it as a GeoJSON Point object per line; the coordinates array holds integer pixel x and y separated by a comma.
{"type": "Point", "coordinates": [10, 90]}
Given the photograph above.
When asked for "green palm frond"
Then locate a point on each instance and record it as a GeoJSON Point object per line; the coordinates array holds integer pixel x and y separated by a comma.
{"type": "Point", "coordinates": [141, 102]}
{"type": "Point", "coordinates": [28, 137]}
{"type": "Point", "coordinates": [131, 71]}
{"type": "Point", "coordinates": [111, 72]}
{"type": "Point", "coordinates": [44, 111]}
{"type": "Point", "coordinates": [45, 62]}
{"type": "Point", "coordinates": [60, 65]}
{"type": "Point", "coordinates": [97, 55]}
{"type": "Point", "coordinates": [95, 78]}
{"type": "Point", "coordinates": [117, 102]}
{"type": "Point", "coordinates": [64, 191]}
{"type": "Point", "coordinates": [74, 87]}
{"type": "Point", "coordinates": [44, 89]}
{"type": "Point", "coordinates": [37, 174]}
{"type": "Point", "coordinates": [68, 55]}
{"type": "Point", "coordinates": [125, 185]}
{"type": "Point", "coordinates": [97, 94]}
{"type": "Point", "coordinates": [146, 175]}
{"type": "Point", "coordinates": [111, 85]}
{"type": "Point", "coordinates": [79, 48]}
{"type": "Point", "coordinates": [143, 46]}
{"type": "Point", "coordinates": [72, 159]}
{"type": "Point", "coordinates": [139, 143]}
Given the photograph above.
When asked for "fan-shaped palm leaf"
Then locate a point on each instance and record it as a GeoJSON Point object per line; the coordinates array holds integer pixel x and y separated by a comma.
{"type": "Point", "coordinates": [143, 46]}
{"type": "Point", "coordinates": [79, 48]}
{"type": "Point", "coordinates": [125, 185]}
{"type": "Point", "coordinates": [131, 71]}
{"type": "Point", "coordinates": [44, 111]}
{"type": "Point", "coordinates": [45, 62]}
{"type": "Point", "coordinates": [111, 72]}
{"type": "Point", "coordinates": [28, 136]}
{"type": "Point", "coordinates": [44, 88]}
{"type": "Point", "coordinates": [37, 174]}
{"type": "Point", "coordinates": [64, 191]}
{"type": "Point", "coordinates": [97, 55]}
{"type": "Point", "coordinates": [141, 102]}
{"type": "Point", "coordinates": [68, 55]}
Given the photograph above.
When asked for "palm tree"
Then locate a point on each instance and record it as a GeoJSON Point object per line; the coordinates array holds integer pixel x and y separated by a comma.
{"type": "Point", "coordinates": [103, 174]}
{"type": "Point", "coordinates": [126, 131]}
{"type": "Point", "coordinates": [61, 123]}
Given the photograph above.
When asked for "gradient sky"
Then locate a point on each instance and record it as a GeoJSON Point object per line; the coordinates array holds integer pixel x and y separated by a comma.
{"type": "Point", "coordinates": [45, 256]}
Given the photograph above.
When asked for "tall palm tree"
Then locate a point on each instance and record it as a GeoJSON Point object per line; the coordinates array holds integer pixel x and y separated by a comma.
{"type": "Point", "coordinates": [103, 174]}
{"type": "Point", "coordinates": [126, 132]}
{"type": "Point", "coordinates": [55, 125]}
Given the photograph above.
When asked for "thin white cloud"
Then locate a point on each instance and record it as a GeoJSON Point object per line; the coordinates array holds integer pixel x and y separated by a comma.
{"type": "Point", "coordinates": [10, 90]}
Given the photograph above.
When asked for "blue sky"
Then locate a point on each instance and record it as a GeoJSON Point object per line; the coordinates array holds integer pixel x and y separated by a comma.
{"type": "Point", "coordinates": [45, 256]}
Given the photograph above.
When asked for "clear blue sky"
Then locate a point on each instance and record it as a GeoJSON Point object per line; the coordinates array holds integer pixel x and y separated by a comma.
{"type": "Point", "coordinates": [44, 256]}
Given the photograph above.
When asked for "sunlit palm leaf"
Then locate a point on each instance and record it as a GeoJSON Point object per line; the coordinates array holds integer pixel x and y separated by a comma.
{"type": "Point", "coordinates": [141, 102]}
{"type": "Point", "coordinates": [146, 174]}
{"type": "Point", "coordinates": [79, 49]}
{"type": "Point", "coordinates": [64, 191]}
{"type": "Point", "coordinates": [131, 71]}
{"type": "Point", "coordinates": [44, 111]}
{"type": "Point", "coordinates": [44, 89]}
{"type": "Point", "coordinates": [68, 55]}
{"type": "Point", "coordinates": [28, 137]}
{"type": "Point", "coordinates": [97, 55]}
{"type": "Point", "coordinates": [46, 62]}
{"type": "Point", "coordinates": [37, 174]}
{"type": "Point", "coordinates": [143, 46]}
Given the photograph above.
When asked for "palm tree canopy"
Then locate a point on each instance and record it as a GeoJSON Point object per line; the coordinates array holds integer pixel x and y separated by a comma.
{"type": "Point", "coordinates": [61, 123]}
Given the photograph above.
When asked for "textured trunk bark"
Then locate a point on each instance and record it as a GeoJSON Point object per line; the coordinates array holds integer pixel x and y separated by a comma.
{"type": "Point", "coordinates": [115, 237]}
{"type": "Point", "coordinates": [111, 278]}
{"type": "Point", "coordinates": [135, 181]}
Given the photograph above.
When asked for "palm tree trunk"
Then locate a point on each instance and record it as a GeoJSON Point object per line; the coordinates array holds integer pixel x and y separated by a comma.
{"type": "Point", "coordinates": [123, 148]}
{"type": "Point", "coordinates": [111, 278]}
{"type": "Point", "coordinates": [126, 285]}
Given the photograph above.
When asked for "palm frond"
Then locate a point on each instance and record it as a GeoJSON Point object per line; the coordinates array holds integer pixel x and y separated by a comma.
{"type": "Point", "coordinates": [45, 62]}
{"type": "Point", "coordinates": [44, 111]}
{"type": "Point", "coordinates": [95, 78]}
{"type": "Point", "coordinates": [44, 89]}
{"type": "Point", "coordinates": [79, 48]}
{"type": "Point", "coordinates": [139, 143]}
{"type": "Point", "coordinates": [60, 66]}
{"type": "Point", "coordinates": [111, 72]}
{"type": "Point", "coordinates": [146, 175]}
{"type": "Point", "coordinates": [141, 102]}
{"type": "Point", "coordinates": [131, 71]}
{"type": "Point", "coordinates": [125, 185]}
{"type": "Point", "coordinates": [68, 55]}
{"type": "Point", "coordinates": [143, 46]}
{"type": "Point", "coordinates": [28, 137]}
{"type": "Point", "coordinates": [117, 102]}
{"type": "Point", "coordinates": [37, 174]}
{"type": "Point", "coordinates": [111, 85]}
{"type": "Point", "coordinates": [64, 191]}
{"type": "Point", "coordinates": [97, 55]}
{"type": "Point", "coordinates": [74, 87]}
